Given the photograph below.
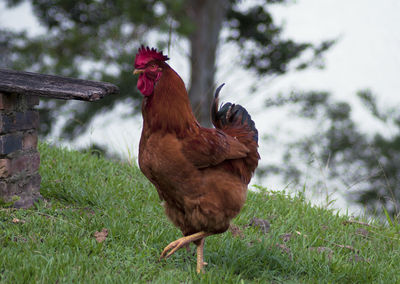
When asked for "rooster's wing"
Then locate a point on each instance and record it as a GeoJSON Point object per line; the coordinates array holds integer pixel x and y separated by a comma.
{"type": "Point", "coordinates": [211, 147]}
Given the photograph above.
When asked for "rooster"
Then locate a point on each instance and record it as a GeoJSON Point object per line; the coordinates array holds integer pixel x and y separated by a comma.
{"type": "Point", "coordinates": [201, 174]}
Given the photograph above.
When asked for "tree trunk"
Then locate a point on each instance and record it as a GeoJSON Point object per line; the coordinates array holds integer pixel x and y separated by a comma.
{"type": "Point", "coordinates": [207, 16]}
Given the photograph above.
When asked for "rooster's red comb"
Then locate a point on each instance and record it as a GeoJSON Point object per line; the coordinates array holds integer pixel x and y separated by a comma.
{"type": "Point", "coordinates": [145, 54]}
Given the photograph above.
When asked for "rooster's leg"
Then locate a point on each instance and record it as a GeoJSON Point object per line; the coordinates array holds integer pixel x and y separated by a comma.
{"type": "Point", "coordinates": [200, 262]}
{"type": "Point", "coordinates": [175, 245]}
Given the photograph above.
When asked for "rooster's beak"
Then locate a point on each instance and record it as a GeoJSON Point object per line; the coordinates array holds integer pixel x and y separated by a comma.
{"type": "Point", "coordinates": [137, 71]}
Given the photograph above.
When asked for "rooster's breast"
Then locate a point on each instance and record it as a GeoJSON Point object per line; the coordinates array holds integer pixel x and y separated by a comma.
{"type": "Point", "coordinates": [163, 163]}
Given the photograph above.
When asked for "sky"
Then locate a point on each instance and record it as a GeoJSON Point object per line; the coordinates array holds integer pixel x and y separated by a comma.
{"type": "Point", "coordinates": [367, 52]}
{"type": "Point", "coordinates": [366, 55]}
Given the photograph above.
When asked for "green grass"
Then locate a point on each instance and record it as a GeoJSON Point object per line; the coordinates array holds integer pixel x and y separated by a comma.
{"type": "Point", "coordinates": [55, 243]}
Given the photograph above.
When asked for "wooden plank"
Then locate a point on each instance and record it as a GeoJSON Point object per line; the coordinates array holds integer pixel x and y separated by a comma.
{"type": "Point", "coordinates": [59, 87]}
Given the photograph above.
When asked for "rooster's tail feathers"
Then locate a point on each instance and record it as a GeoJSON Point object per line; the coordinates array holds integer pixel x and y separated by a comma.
{"type": "Point", "coordinates": [235, 121]}
{"type": "Point", "coordinates": [232, 116]}
{"type": "Point", "coordinates": [214, 106]}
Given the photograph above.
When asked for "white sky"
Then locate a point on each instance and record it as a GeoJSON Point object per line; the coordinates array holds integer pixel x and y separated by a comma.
{"type": "Point", "coordinates": [367, 55]}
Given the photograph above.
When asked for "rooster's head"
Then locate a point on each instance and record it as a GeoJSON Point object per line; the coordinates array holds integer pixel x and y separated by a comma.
{"type": "Point", "coordinates": [148, 63]}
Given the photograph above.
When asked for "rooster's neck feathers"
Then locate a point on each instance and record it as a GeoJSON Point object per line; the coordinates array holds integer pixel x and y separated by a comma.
{"type": "Point", "coordinates": [168, 109]}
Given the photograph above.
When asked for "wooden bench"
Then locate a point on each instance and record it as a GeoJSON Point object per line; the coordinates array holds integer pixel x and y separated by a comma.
{"type": "Point", "coordinates": [19, 121]}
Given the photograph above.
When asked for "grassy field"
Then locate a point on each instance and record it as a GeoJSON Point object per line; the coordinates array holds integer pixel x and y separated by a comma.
{"type": "Point", "coordinates": [56, 241]}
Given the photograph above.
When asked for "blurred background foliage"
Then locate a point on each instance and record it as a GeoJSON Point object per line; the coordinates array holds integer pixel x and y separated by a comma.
{"type": "Point", "coordinates": [97, 39]}
{"type": "Point", "coordinates": [367, 166]}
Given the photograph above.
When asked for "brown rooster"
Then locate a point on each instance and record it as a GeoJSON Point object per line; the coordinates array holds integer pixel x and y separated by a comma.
{"type": "Point", "coordinates": [201, 174]}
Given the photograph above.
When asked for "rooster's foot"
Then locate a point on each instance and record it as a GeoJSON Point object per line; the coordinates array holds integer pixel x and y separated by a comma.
{"type": "Point", "coordinates": [179, 243]}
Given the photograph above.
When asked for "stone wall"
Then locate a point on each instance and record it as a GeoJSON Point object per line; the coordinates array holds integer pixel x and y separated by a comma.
{"type": "Point", "coordinates": [19, 121]}
{"type": "Point", "coordinates": [19, 158]}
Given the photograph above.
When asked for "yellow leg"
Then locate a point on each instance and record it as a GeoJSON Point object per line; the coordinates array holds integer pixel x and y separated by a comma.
{"type": "Point", "coordinates": [175, 245]}
{"type": "Point", "coordinates": [200, 262]}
